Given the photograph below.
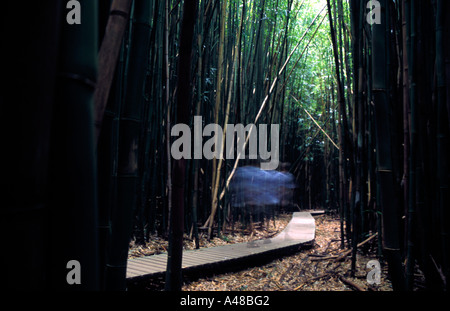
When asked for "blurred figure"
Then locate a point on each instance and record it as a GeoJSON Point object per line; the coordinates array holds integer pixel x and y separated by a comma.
{"type": "Point", "coordinates": [254, 186]}
{"type": "Point", "coordinates": [259, 191]}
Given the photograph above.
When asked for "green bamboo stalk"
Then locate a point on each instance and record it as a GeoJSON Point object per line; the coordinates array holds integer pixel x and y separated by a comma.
{"type": "Point", "coordinates": [107, 138]}
{"type": "Point", "coordinates": [219, 83]}
{"type": "Point", "coordinates": [149, 129]}
{"type": "Point", "coordinates": [407, 149]}
{"type": "Point", "coordinates": [343, 124]}
{"type": "Point", "coordinates": [215, 200]}
{"type": "Point", "coordinates": [173, 273]}
{"type": "Point", "coordinates": [127, 170]}
{"type": "Point", "coordinates": [442, 141]}
{"type": "Point", "coordinates": [340, 88]}
{"type": "Point", "coordinates": [387, 195]}
{"type": "Point", "coordinates": [73, 220]}
{"type": "Point", "coordinates": [168, 107]}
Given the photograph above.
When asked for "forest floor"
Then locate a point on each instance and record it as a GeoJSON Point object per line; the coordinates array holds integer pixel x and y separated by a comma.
{"type": "Point", "coordinates": [323, 267]}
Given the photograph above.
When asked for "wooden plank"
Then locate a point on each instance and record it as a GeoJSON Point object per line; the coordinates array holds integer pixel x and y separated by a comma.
{"type": "Point", "coordinates": [157, 258]}
{"type": "Point", "coordinates": [131, 272]}
{"type": "Point", "coordinates": [217, 253]}
{"type": "Point", "coordinates": [210, 256]}
{"type": "Point", "coordinates": [300, 230]}
{"type": "Point", "coordinates": [203, 255]}
{"type": "Point", "coordinates": [140, 269]}
{"type": "Point", "coordinates": [149, 263]}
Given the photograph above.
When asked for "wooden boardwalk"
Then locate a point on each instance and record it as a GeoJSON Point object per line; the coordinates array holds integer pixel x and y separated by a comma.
{"type": "Point", "coordinates": [299, 232]}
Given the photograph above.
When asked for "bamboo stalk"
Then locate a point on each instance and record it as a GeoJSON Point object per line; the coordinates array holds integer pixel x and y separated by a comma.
{"type": "Point", "coordinates": [130, 122]}
{"type": "Point", "coordinates": [315, 122]}
{"type": "Point", "coordinates": [227, 114]}
{"type": "Point", "coordinates": [406, 142]}
{"type": "Point", "coordinates": [343, 255]}
{"type": "Point", "coordinates": [385, 175]}
{"type": "Point", "coordinates": [168, 108]}
{"type": "Point", "coordinates": [174, 260]}
{"type": "Point", "coordinates": [73, 223]}
{"type": "Point", "coordinates": [107, 58]}
{"type": "Point", "coordinates": [220, 65]}
{"type": "Point", "coordinates": [442, 142]}
{"type": "Point", "coordinates": [351, 283]}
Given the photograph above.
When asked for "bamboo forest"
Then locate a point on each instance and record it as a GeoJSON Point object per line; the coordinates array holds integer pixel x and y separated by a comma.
{"type": "Point", "coordinates": [225, 145]}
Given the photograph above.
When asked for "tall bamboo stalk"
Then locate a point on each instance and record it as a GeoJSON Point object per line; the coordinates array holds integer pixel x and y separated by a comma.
{"type": "Point", "coordinates": [173, 273]}
{"type": "Point", "coordinates": [442, 142]}
{"type": "Point", "coordinates": [197, 112]}
{"type": "Point", "coordinates": [128, 156]}
{"type": "Point", "coordinates": [73, 211]}
{"type": "Point", "coordinates": [388, 196]}
{"type": "Point", "coordinates": [220, 81]}
{"type": "Point", "coordinates": [406, 141]}
{"type": "Point", "coordinates": [342, 125]}
{"type": "Point", "coordinates": [215, 200]}
{"type": "Point", "coordinates": [168, 107]}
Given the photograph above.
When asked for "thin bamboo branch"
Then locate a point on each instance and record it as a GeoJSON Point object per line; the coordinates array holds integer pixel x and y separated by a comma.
{"type": "Point", "coordinates": [343, 255]}
{"type": "Point", "coordinates": [351, 283]}
{"type": "Point", "coordinates": [314, 120]}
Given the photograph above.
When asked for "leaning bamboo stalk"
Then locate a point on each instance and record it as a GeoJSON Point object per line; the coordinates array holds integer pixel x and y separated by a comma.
{"type": "Point", "coordinates": [343, 255]}
{"type": "Point", "coordinates": [351, 283]}
{"type": "Point", "coordinates": [315, 122]}
{"type": "Point", "coordinates": [107, 58]}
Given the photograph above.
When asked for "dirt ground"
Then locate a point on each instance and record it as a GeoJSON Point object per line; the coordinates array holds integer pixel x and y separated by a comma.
{"type": "Point", "coordinates": [323, 267]}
